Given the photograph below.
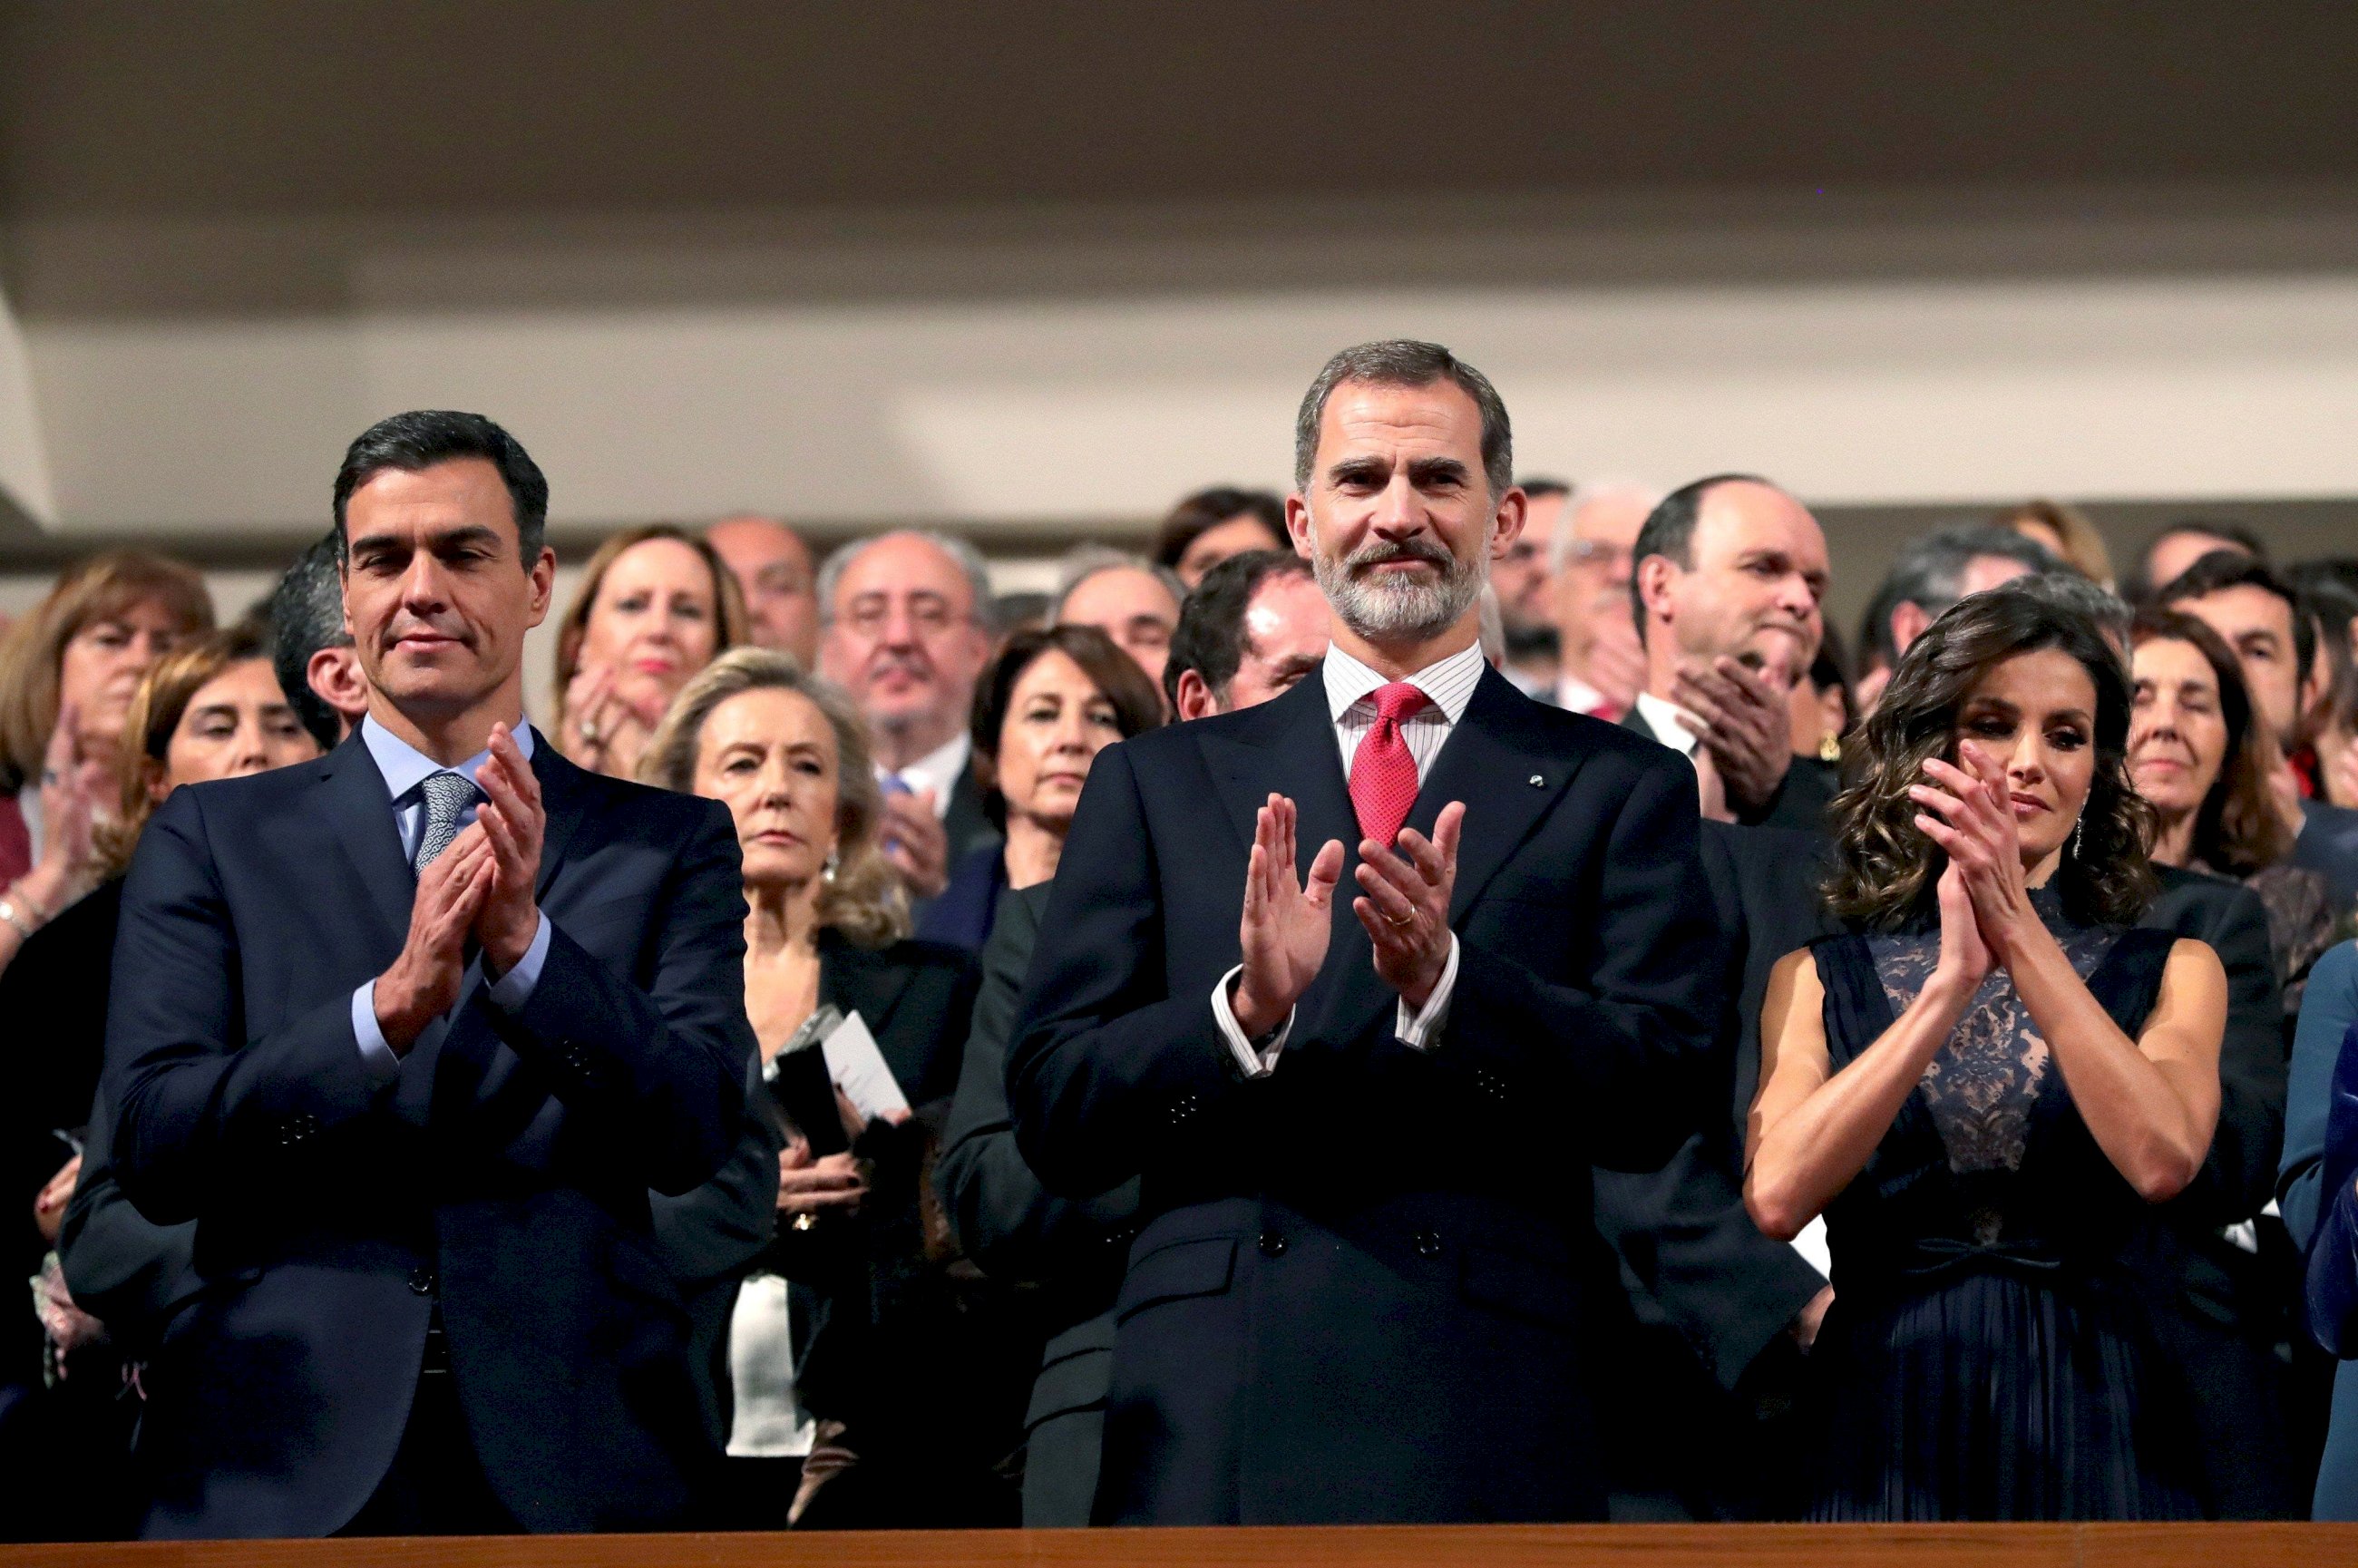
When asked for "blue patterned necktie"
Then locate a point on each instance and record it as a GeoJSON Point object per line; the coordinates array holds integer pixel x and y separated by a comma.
{"type": "Point", "coordinates": [449, 800]}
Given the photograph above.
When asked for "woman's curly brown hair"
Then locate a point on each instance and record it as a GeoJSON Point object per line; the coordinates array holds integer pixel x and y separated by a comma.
{"type": "Point", "coordinates": [1885, 869]}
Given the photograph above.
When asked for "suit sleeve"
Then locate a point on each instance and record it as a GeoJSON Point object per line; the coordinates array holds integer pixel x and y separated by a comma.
{"type": "Point", "coordinates": [1109, 1069]}
{"type": "Point", "coordinates": [719, 1228]}
{"type": "Point", "coordinates": [122, 1271]}
{"type": "Point", "coordinates": [1628, 1056]}
{"type": "Point", "coordinates": [2328, 1009]}
{"type": "Point", "coordinates": [657, 1072]}
{"type": "Point", "coordinates": [198, 1105]}
{"type": "Point", "coordinates": [2330, 1204]}
{"type": "Point", "coordinates": [1007, 1221]}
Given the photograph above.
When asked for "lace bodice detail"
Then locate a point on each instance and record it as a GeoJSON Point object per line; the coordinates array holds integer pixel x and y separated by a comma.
{"type": "Point", "coordinates": [1982, 1084]}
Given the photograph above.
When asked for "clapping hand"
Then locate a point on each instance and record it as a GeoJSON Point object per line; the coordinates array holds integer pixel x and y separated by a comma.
{"type": "Point", "coordinates": [73, 792]}
{"type": "Point", "coordinates": [1745, 722]}
{"type": "Point", "coordinates": [1969, 813]}
{"type": "Point", "coordinates": [514, 822]}
{"type": "Point", "coordinates": [1406, 905]}
{"type": "Point", "coordinates": [603, 729]}
{"type": "Point", "coordinates": [1286, 922]}
{"type": "Point", "coordinates": [917, 843]}
{"type": "Point", "coordinates": [424, 980]}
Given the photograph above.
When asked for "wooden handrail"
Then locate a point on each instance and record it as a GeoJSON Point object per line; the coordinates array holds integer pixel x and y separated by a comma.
{"type": "Point", "coordinates": [1474, 1546]}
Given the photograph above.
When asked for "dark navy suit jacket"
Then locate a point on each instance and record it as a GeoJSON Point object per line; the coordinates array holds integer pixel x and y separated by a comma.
{"type": "Point", "coordinates": [506, 1172]}
{"type": "Point", "coordinates": [1361, 1289]}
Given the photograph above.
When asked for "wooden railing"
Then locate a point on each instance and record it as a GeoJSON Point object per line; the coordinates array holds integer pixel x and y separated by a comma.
{"type": "Point", "coordinates": [1493, 1546]}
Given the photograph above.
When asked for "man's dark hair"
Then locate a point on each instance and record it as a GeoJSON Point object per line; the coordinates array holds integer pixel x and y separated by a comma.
{"type": "Point", "coordinates": [1930, 574]}
{"type": "Point", "coordinates": [2105, 609]}
{"type": "Point", "coordinates": [425, 436]}
{"type": "Point", "coordinates": [2222, 569]}
{"type": "Point", "coordinates": [1207, 509]}
{"type": "Point", "coordinates": [1404, 361]}
{"type": "Point", "coordinates": [2137, 585]}
{"type": "Point", "coordinates": [1210, 636]}
{"type": "Point", "coordinates": [1669, 530]}
{"type": "Point", "coordinates": [307, 614]}
{"type": "Point", "coordinates": [1540, 489]}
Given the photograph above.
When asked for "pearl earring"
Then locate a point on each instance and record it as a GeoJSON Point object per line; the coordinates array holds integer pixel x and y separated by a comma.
{"type": "Point", "coordinates": [827, 872]}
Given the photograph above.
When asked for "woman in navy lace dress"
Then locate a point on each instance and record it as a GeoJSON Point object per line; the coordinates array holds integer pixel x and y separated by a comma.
{"type": "Point", "coordinates": [1985, 1085]}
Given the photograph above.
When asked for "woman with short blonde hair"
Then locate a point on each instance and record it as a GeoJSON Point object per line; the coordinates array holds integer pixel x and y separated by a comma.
{"type": "Point", "coordinates": [861, 1248]}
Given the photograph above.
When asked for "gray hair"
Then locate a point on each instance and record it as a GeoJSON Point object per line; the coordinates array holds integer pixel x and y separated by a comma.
{"type": "Point", "coordinates": [863, 899]}
{"type": "Point", "coordinates": [2084, 596]}
{"type": "Point", "coordinates": [1083, 562]}
{"type": "Point", "coordinates": [1930, 574]}
{"type": "Point", "coordinates": [1560, 544]}
{"type": "Point", "coordinates": [1405, 361]}
{"type": "Point", "coordinates": [968, 558]}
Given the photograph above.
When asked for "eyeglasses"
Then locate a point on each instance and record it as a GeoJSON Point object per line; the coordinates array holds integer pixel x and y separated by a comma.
{"type": "Point", "coordinates": [930, 613]}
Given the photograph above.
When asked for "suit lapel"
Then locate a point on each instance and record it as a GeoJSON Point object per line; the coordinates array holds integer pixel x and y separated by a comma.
{"type": "Point", "coordinates": [1507, 779]}
{"type": "Point", "coordinates": [1289, 749]}
{"type": "Point", "coordinates": [561, 801]}
{"type": "Point", "coordinates": [360, 819]}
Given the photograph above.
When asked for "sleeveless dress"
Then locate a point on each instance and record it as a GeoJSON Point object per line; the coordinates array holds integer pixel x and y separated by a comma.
{"type": "Point", "coordinates": [1988, 1355]}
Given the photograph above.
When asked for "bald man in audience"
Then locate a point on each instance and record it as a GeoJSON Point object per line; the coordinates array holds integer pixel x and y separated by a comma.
{"type": "Point", "coordinates": [1602, 665]}
{"type": "Point", "coordinates": [1729, 573]}
{"type": "Point", "coordinates": [1127, 598]}
{"type": "Point", "coordinates": [773, 565]}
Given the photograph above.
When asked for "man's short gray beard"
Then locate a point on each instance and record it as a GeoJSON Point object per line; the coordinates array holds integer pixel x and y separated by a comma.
{"type": "Point", "coordinates": [1390, 606]}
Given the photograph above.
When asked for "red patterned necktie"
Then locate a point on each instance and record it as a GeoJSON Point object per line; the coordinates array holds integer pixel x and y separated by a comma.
{"type": "Point", "coordinates": [1384, 775]}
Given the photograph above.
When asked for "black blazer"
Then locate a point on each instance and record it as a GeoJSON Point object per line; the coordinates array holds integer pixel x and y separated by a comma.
{"type": "Point", "coordinates": [506, 1172]}
{"type": "Point", "coordinates": [1064, 1253]}
{"type": "Point", "coordinates": [1801, 802]}
{"type": "Point", "coordinates": [1361, 1290]}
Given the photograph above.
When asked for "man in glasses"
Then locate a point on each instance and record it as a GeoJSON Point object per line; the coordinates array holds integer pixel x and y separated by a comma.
{"type": "Point", "coordinates": [903, 631]}
{"type": "Point", "coordinates": [1603, 664]}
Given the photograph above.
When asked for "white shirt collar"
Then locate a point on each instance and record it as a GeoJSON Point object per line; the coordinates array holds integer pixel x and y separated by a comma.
{"type": "Point", "coordinates": [405, 766]}
{"type": "Point", "coordinates": [1449, 682]}
{"type": "Point", "coordinates": [938, 769]}
{"type": "Point", "coordinates": [1662, 718]}
{"type": "Point", "coordinates": [1577, 694]}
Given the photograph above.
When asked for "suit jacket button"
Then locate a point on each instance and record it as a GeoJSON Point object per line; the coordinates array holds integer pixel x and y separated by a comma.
{"type": "Point", "coordinates": [421, 1281]}
{"type": "Point", "coordinates": [1272, 1245]}
{"type": "Point", "coordinates": [1428, 1244]}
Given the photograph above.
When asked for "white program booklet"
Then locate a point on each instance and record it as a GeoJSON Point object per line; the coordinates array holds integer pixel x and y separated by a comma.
{"type": "Point", "coordinates": [857, 1068]}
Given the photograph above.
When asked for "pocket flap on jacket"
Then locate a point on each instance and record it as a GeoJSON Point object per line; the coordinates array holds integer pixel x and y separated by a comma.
{"type": "Point", "coordinates": [1525, 1287]}
{"type": "Point", "coordinates": [1075, 1383]}
{"type": "Point", "coordinates": [1173, 1274]}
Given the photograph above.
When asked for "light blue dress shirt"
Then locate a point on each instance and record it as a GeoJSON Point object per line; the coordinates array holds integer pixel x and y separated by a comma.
{"type": "Point", "coordinates": [405, 767]}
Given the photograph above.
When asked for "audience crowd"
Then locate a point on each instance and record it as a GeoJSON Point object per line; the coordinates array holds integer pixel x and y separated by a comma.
{"type": "Point", "coordinates": [1969, 1133]}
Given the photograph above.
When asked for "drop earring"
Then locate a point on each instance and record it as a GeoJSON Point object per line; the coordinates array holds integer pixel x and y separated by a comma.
{"type": "Point", "coordinates": [2078, 832]}
{"type": "Point", "coordinates": [827, 872]}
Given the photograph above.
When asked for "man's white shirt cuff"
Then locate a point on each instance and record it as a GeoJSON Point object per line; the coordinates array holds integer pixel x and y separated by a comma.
{"type": "Point", "coordinates": [1416, 1030]}
{"type": "Point", "coordinates": [1257, 1064]}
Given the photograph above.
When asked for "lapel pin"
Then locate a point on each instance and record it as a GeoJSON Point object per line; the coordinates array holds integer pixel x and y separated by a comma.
{"type": "Point", "coordinates": [1537, 782]}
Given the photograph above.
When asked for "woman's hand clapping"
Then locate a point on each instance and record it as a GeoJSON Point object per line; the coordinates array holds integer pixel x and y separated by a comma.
{"type": "Point", "coordinates": [1975, 826]}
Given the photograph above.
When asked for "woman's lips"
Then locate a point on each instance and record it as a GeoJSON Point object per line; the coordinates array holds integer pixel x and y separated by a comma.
{"type": "Point", "coordinates": [2026, 806]}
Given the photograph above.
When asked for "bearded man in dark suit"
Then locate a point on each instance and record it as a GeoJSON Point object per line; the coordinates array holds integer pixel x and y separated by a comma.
{"type": "Point", "coordinates": [1363, 1282]}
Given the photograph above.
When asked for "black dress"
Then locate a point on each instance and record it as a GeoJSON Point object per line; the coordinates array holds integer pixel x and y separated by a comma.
{"type": "Point", "coordinates": [1988, 1355]}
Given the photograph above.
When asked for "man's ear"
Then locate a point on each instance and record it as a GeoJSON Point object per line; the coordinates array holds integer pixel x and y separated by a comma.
{"type": "Point", "coordinates": [1657, 576]}
{"type": "Point", "coordinates": [1195, 698]}
{"type": "Point", "coordinates": [1507, 522]}
{"type": "Point", "coordinates": [543, 576]}
{"type": "Point", "coordinates": [335, 677]}
{"type": "Point", "coordinates": [1909, 620]}
{"type": "Point", "coordinates": [1297, 525]}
